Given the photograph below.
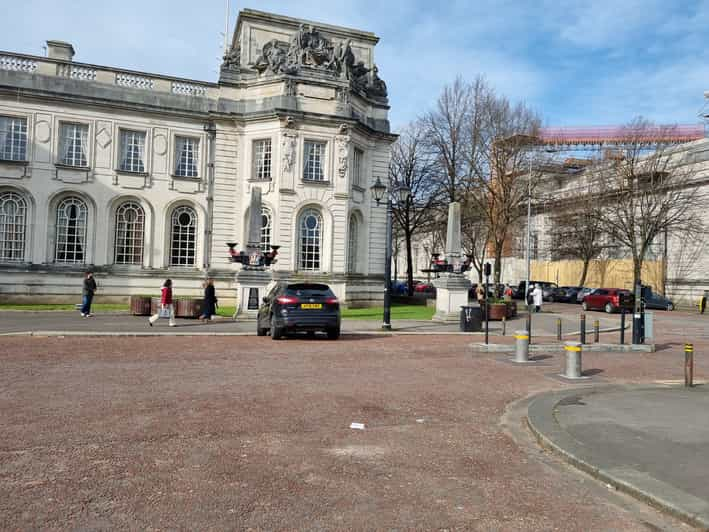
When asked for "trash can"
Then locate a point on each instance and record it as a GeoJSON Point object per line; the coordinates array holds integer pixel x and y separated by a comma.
{"type": "Point", "coordinates": [471, 319]}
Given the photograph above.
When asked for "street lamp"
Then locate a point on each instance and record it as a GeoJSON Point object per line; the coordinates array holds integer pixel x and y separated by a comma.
{"type": "Point", "coordinates": [402, 194]}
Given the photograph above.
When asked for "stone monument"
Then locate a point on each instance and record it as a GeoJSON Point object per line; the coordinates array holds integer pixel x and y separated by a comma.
{"type": "Point", "coordinates": [452, 286]}
{"type": "Point", "coordinates": [253, 278]}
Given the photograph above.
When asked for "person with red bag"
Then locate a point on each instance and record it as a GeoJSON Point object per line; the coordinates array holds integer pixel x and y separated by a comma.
{"type": "Point", "coordinates": [167, 309]}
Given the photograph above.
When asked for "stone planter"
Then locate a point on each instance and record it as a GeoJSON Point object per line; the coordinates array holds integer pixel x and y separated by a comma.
{"type": "Point", "coordinates": [140, 305]}
{"type": "Point", "coordinates": [498, 311]}
{"type": "Point", "coordinates": [188, 308]}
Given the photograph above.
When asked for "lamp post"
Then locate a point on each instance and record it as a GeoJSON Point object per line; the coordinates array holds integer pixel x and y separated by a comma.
{"type": "Point", "coordinates": [403, 193]}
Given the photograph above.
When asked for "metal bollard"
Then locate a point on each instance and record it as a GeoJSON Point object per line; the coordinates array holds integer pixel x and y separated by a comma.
{"type": "Point", "coordinates": [504, 326]}
{"type": "Point", "coordinates": [688, 365]}
{"type": "Point", "coordinates": [582, 328]}
{"type": "Point", "coordinates": [573, 360]}
{"type": "Point", "coordinates": [622, 327]}
{"type": "Point", "coordinates": [558, 329]}
{"type": "Point", "coordinates": [529, 325]}
{"type": "Point", "coordinates": [596, 331]}
{"type": "Point", "coordinates": [521, 346]}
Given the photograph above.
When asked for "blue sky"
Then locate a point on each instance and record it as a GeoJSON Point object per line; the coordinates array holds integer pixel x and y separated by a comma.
{"type": "Point", "coordinates": [576, 63]}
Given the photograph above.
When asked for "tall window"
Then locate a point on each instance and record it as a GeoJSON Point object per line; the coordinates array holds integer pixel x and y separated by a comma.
{"type": "Point", "coordinates": [13, 138]}
{"type": "Point", "coordinates": [130, 225]}
{"type": "Point", "coordinates": [357, 162]}
{"type": "Point", "coordinates": [186, 156]}
{"type": "Point", "coordinates": [132, 157]}
{"type": "Point", "coordinates": [352, 245]}
{"type": "Point", "coordinates": [73, 144]}
{"type": "Point", "coordinates": [310, 240]}
{"type": "Point", "coordinates": [266, 224]}
{"type": "Point", "coordinates": [13, 227]}
{"type": "Point", "coordinates": [314, 161]}
{"type": "Point", "coordinates": [72, 216]}
{"type": "Point", "coordinates": [262, 159]}
{"type": "Point", "coordinates": [183, 237]}
{"type": "Point", "coordinates": [535, 246]}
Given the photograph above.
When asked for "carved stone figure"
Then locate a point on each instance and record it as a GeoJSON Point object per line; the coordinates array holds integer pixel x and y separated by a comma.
{"type": "Point", "coordinates": [342, 143]}
{"type": "Point", "coordinates": [360, 76]}
{"type": "Point", "coordinates": [232, 59]}
{"type": "Point", "coordinates": [378, 88]}
{"type": "Point", "coordinates": [289, 143]}
{"type": "Point", "coordinates": [272, 59]}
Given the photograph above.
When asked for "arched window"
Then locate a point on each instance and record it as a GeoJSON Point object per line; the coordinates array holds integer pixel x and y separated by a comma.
{"type": "Point", "coordinates": [13, 227]}
{"type": "Point", "coordinates": [72, 216]}
{"type": "Point", "coordinates": [130, 225]}
{"type": "Point", "coordinates": [310, 240]}
{"type": "Point", "coordinates": [183, 237]}
{"type": "Point", "coordinates": [352, 245]}
{"type": "Point", "coordinates": [266, 225]}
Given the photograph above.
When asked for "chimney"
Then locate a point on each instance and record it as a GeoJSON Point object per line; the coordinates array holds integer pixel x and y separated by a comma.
{"type": "Point", "coordinates": [61, 50]}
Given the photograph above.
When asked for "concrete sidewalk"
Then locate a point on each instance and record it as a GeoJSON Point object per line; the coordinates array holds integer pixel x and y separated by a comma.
{"type": "Point", "coordinates": [68, 322]}
{"type": "Point", "coordinates": [650, 442]}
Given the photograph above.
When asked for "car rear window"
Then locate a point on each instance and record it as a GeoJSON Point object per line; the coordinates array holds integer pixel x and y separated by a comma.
{"type": "Point", "coordinates": [309, 290]}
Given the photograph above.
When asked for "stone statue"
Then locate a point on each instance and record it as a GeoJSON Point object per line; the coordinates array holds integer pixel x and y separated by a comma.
{"type": "Point", "coordinates": [232, 59]}
{"type": "Point", "coordinates": [342, 143]}
{"type": "Point", "coordinates": [272, 59]}
{"type": "Point", "coordinates": [377, 89]}
{"type": "Point", "coordinates": [359, 76]}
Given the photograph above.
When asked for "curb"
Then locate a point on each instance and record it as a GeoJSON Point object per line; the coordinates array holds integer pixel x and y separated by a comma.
{"type": "Point", "coordinates": [559, 348]}
{"type": "Point", "coordinates": [542, 423]}
{"type": "Point", "coordinates": [45, 334]}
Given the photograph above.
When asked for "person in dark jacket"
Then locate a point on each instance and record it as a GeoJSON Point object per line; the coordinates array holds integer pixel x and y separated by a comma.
{"type": "Point", "coordinates": [210, 301]}
{"type": "Point", "coordinates": [87, 295]}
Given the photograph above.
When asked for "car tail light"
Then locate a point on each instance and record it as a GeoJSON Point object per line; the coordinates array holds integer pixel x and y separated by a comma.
{"type": "Point", "coordinates": [287, 300]}
{"type": "Point", "coordinates": [332, 301]}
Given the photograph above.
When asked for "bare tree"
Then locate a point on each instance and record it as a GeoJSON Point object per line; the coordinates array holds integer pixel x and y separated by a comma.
{"type": "Point", "coordinates": [474, 233]}
{"type": "Point", "coordinates": [647, 190]}
{"type": "Point", "coordinates": [412, 165]}
{"type": "Point", "coordinates": [578, 231]}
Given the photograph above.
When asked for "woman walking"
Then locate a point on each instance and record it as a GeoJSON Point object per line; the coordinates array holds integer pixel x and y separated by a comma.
{"type": "Point", "coordinates": [166, 306]}
{"type": "Point", "coordinates": [210, 301]}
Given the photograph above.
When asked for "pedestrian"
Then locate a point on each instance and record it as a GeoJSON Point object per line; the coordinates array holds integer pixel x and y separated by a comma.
{"type": "Point", "coordinates": [480, 294]}
{"type": "Point", "coordinates": [167, 308]}
{"type": "Point", "coordinates": [538, 298]}
{"type": "Point", "coordinates": [210, 301]}
{"type": "Point", "coordinates": [508, 293]}
{"type": "Point", "coordinates": [87, 295]}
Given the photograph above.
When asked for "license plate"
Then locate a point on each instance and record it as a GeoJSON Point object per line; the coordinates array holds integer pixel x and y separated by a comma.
{"type": "Point", "coordinates": [311, 305]}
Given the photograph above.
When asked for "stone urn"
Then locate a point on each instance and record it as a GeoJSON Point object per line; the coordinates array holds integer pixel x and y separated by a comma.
{"type": "Point", "coordinates": [140, 305]}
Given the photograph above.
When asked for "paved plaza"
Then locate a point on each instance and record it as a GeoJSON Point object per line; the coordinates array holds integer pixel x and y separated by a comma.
{"type": "Point", "coordinates": [241, 432]}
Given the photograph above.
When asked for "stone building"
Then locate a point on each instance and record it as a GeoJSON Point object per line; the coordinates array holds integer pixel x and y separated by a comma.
{"type": "Point", "coordinates": [140, 176]}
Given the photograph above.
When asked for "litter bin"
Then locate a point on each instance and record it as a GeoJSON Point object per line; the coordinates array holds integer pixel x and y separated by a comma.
{"type": "Point", "coordinates": [471, 319]}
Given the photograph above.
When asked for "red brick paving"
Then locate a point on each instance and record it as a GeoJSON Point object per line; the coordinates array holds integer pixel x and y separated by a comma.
{"type": "Point", "coordinates": [248, 433]}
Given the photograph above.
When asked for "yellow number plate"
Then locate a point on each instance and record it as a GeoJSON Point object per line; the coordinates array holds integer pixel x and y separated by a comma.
{"type": "Point", "coordinates": [311, 305]}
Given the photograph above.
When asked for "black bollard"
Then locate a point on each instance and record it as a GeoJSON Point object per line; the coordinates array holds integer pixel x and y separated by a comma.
{"type": "Point", "coordinates": [688, 365]}
{"type": "Point", "coordinates": [582, 328]}
{"type": "Point", "coordinates": [596, 331]}
{"type": "Point", "coordinates": [622, 326]}
{"type": "Point", "coordinates": [558, 329]}
{"type": "Point", "coordinates": [529, 325]}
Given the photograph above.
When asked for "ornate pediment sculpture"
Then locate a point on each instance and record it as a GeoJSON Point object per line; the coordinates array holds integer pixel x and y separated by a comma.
{"type": "Point", "coordinates": [311, 50]}
{"type": "Point", "coordinates": [232, 59]}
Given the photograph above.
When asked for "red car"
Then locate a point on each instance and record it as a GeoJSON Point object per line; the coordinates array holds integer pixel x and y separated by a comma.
{"type": "Point", "coordinates": [608, 299]}
{"type": "Point", "coordinates": [424, 287]}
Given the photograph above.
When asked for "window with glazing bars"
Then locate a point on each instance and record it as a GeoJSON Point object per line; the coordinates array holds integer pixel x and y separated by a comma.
{"type": "Point", "coordinates": [130, 225]}
{"type": "Point", "coordinates": [310, 240]}
{"type": "Point", "coordinates": [262, 159]}
{"type": "Point", "coordinates": [73, 144]}
{"type": "Point", "coordinates": [13, 138]}
{"type": "Point", "coordinates": [13, 227]}
{"type": "Point", "coordinates": [132, 154]}
{"type": "Point", "coordinates": [186, 156]}
{"type": "Point", "coordinates": [266, 223]}
{"type": "Point", "coordinates": [183, 237]}
{"type": "Point", "coordinates": [357, 160]}
{"type": "Point", "coordinates": [352, 246]}
{"type": "Point", "coordinates": [314, 161]}
{"type": "Point", "coordinates": [70, 246]}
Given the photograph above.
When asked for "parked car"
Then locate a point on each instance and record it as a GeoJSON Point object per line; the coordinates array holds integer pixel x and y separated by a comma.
{"type": "Point", "coordinates": [425, 288]}
{"type": "Point", "coordinates": [290, 308]}
{"type": "Point", "coordinates": [547, 289]}
{"type": "Point", "coordinates": [608, 299]}
{"type": "Point", "coordinates": [565, 294]}
{"type": "Point", "coordinates": [658, 302]}
{"type": "Point", "coordinates": [583, 293]}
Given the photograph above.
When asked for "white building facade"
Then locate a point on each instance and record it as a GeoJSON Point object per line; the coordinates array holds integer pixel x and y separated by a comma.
{"type": "Point", "coordinates": [139, 177]}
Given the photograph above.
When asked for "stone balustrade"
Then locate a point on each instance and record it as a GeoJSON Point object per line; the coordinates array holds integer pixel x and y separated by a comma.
{"type": "Point", "coordinates": [94, 73]}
